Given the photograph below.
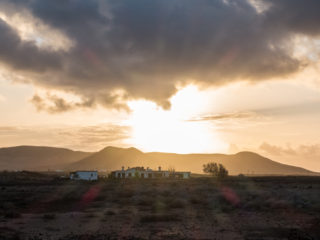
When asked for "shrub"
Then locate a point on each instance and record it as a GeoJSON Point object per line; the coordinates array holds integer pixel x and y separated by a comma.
{"type": "Point", "coordinates": [49, 216]}
{"type": "Point", "coordinates": [109, 212]}
{"type": "Point", "coordinates": [159, 218]}
{"type": "Point", "coordinates": [125, 193]}
{"type": "Point", "coordinates": [12, 214]}
{"type": "Point", "coordinates": [126, 211]}
{"type": "Point", "coordinates": [90, 215]}
{"type": "Point", "coordinates": [176, 203]}
{"type": "Point", "coordinates": [215, 169]}
{"type": "Point", "coordinates": [145, 201]}
{"type": "Point", "coordinates": [199, 200]}
{"type": "Point", "coordinates": [97, 204]}
{"type": "Point", "coordinates": [159, 206]}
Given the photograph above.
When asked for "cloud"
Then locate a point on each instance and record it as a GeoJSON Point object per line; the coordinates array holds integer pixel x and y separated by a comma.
{"type": "Point", "coordinates": [89, 138]}
{"type": "Point", "coordinates": [55, 104]}
{"type": "Point", "coordinates": [276, 150]}
{"type": "Point", "coordinates": [96, 137]}
{"type": "Point", "coordinates": [227, 116]}
{"type": "Point", "coordinates": [292, 109]}
{"type": "Point", "coordinates": [58, 104]}
{"type": "Point", "coordinates": [24, 55]}
{"type": "Point", "coordinates": [2, 99]}
{"type": "Point", "coordinates": [302, 155]}
{"type": "Point", "coordinates": [124, 50]}
{"type": "Point", "coordinates": [294, 16]}
{"type": "Point", "coordinates": [302, 150]}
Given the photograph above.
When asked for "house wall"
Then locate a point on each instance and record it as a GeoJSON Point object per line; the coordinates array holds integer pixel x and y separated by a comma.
{"type": "Point", "coordinates": [143, 174]}
{"type": "Point", "coordinates": [186, 175]}
{"type": "Point", "coordinates": [85, 175]}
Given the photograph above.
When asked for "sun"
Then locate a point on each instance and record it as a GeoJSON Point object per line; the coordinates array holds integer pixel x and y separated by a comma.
{"type": "Point", "coordinates": [155, 129]}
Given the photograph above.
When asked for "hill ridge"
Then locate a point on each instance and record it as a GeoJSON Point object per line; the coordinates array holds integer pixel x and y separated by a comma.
{"type": "Point", "coordinates": [37, 158]}
{"type": "Point", "coordinates": [242, 162]}
{"type": "Point", "coordinates": [27, 157]}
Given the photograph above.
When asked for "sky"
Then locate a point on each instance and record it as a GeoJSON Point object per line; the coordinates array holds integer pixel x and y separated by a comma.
{"type": "Point", "coordinates": [178, 76]}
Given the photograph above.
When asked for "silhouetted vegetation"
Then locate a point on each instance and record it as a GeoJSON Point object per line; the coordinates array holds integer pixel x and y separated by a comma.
{"type": "Point", "coordinates": [159, 218]}
{"type": "Point", "coordinates": [215, 169]}
{"type": "Point", "coordinates": [49, 216]}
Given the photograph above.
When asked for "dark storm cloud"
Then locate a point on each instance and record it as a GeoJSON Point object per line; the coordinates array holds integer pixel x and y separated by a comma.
{"type": "Point", "coordinates": [24, 55]}
{"type": "Point", "coordinates": [146, 47]}
{"type": "Point", "coordinates": [294, 15]}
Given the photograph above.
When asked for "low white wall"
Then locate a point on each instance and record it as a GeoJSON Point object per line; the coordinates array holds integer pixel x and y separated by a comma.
{"type": "Point", "coordinates": [85, 176]}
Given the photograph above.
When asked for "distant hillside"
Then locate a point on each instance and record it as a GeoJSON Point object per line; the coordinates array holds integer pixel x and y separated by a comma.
{"type": "Point", "coordinates": [242, 162]}
{"type": "Point", "coordinates": [37, 158]}
{"type": "Point", "coordinates": [112, 158]}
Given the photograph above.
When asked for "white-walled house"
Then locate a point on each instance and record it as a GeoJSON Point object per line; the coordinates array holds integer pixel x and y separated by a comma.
{"type": "Point", "coordinates": [84, 175]}
{"type": "Point", "coordinates": [141, 172]}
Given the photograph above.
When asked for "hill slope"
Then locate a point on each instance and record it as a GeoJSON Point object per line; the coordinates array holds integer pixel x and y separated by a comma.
{"type": "Point", "coordinates": [112, 158]}
{"type": "Point", "coordinates": [242, 162]}
{"type": "Point", "coordinates": [37, 158]}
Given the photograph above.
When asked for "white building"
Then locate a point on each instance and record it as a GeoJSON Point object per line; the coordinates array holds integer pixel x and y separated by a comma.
{"type": "Point", "coordinates": [84, 175]}
{"type": "Point", "coordinates": [141, 172]}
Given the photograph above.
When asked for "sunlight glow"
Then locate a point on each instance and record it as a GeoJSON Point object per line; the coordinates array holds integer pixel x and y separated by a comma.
{"type": "Point", "coordinates": [155, 129]}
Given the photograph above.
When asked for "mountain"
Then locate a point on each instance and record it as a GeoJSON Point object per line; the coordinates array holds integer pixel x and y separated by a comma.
{"type": "Point", "coordinates": [242, 162]}
{"type": "Point", "coordinates": [112, 158]}
{"type": "Point", "coordinates": [37, 158]}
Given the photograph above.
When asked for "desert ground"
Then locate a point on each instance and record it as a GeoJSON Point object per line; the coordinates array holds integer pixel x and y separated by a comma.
{"type": "Point", "coordinates": [45, 206]}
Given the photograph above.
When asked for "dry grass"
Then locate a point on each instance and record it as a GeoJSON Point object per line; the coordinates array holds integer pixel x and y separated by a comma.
{"type": "Point", "coordinates": [159, 218]}
{"type": "Point", "coordinates": [200, 201]}
{"type": "Point", "coordinates": [49, 216]}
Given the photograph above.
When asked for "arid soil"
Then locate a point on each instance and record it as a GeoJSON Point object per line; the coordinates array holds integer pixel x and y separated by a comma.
{"type": "Point", "coordinates": [38, 206]}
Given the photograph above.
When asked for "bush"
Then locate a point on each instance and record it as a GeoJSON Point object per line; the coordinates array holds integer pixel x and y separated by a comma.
{"type": "Point", "coordinates": [176, 203]}
{"type": "Point", "coordinates": [125, 193]}
{"type": "Point", "coordinates": [109, 212]}
{"type": "Point", "coordinates": [12, 214]}
{"type": "Point", "coordinates": [215, 169]}
{"type": "Point", "coordinates": [90, 215]}
{"type": "Point", "coordinates": [159, 218]}
{"type": "Point", "coordinates": [145, 201]}
{"type": "Point", "coordinates": [49, 216]}
{"type": "Point", "coordinates": [199, 200]}
{"type": "Point", "coordinates": [159, 206]}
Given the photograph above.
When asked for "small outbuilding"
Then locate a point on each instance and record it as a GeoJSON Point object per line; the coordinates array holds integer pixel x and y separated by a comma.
{"type": "Point", "coordinates": [84, 175]}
